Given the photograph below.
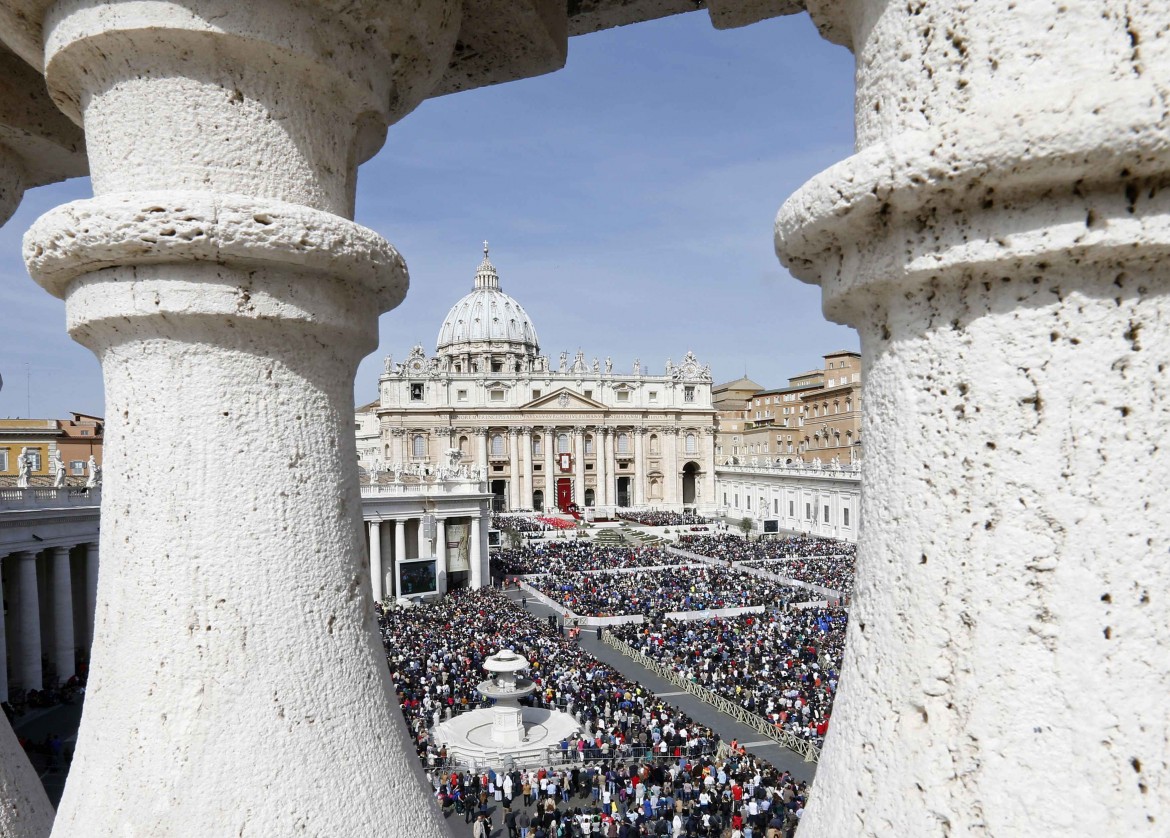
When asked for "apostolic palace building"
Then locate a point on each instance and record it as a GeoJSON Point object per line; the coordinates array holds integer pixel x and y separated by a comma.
{"type": "Point", "coordinates": [543, 432]}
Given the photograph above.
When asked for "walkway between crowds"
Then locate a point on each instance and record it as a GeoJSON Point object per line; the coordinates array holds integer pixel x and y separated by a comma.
{"type": "Point", "coordinates": [702, 712]}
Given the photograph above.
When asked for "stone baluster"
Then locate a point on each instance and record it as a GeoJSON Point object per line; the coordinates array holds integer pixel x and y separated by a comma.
{"type": "Point", "coordinates": [217, 276]}
{"type": "Point", "coordinates": [997, 241]}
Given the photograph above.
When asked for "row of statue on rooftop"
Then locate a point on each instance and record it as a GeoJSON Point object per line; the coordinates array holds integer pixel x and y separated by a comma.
{"type": "Point", "coordinates": [417, 363]}
{"type": "Point", "coordinates": [24, 464]}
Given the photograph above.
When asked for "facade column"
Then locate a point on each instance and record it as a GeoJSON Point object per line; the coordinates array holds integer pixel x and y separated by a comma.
{"type": "Point", "coordinates": [526, 468]}
{"type": "Point", "coordinates": [64, 646]}
{"type": "Point", "coordinates": [639, 480]}
{"type": "Point", "coordinates": [92, 564]}
{"type": "Point", "coordinates": [3, 639]}
{"type": "Point", "coordinates": [375, 528]}
{"type": "Point", "coordinates": [215, 260]}
{"type": "Point", "coordinates": [399, 554]}
{"type": "Point", "coordinates": [440, 551]}
{"type": "Point", "coordinates": [707, 441]}
{"type": "Point", "coordinates": [481, 452]}
{"type": "Point", "coordinates": [601, 458]}
{"type": "Point", "coordinates": [28, 666]}
{"type": "Point", "coordinates": [476, 553]}
{"type": "Point", "coordinates": [550, 476]}
{"type": "Point", "coordinates": [671, 495]}
{"type": "Point", "coordinates": [998, 241]}
{"type": "Point", "coordinates": [402, 439]}
{"type": "Point", "coordinates": [579, 463]}
{"type": "Point", "coordinates": [513, 469]}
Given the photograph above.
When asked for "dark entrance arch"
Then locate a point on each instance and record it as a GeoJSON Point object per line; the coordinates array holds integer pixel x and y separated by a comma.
{"type": "Point", "coordinates": [690, 475]}
{"type": "Point", "coordinates": [538, 500]}
{"type": "Point", "coordinates": [499, 495]}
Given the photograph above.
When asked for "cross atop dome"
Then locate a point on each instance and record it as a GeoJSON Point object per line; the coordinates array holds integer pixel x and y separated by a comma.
{"type": "Point", "coordinates": [485, 274]}
{"type": "Point", "coordinates": [485, 248]}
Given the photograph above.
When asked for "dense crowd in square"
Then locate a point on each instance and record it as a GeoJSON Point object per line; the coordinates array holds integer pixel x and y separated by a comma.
{"type": "Point", "coordinates": [833, 572]}
{"type": "Point", "coordinates": [653, 518]}
{"type": "Point", "coordinates": [576, 556]}
{"type": "Point", "coordinates": [641, 767]}
{"type": "Point", "coordinates": [768, 663]}
{"type": "Point", "coordinates": [733, 548]}
{"type": "Point", "coordinates": [685, 588]}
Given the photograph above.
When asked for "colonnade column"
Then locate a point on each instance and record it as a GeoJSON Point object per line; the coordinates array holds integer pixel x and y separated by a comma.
{"type": "Point", "coordinates": [639, 466]}
{"type": "Point", "coordinates": [579, 465]}
{"type": "Point", "coordinates": [550, 478]}
{"type": "Point", "coordinates": [601, 457]}
{"type": "Point", "coordinates": [476, 554]}
{"type": "Point", "coordinates": [513, 469]}
{"type": "Point", "coordinates": [29, 617]}
{"type": "Point", "coordinates": [399, 554]}
{"type": "Point", "coordinates": [215, 260]}
{"type": "Point", "coordinates": [375, 528]}
{"type": "Point", "coordinates": [999, 241]}
{"type": "Point", "coordinates": [92, 562]}
{"type": "Point", "coordinates": [526, 486]}
{"type": "Point", "coordinates": [440, 550]}
{"type": "Point", "coordinates": [3, 640]}
{"type": "Point", "coordinates": [707, 440]}
{"type": "Point", "coordinates": [64, 647]}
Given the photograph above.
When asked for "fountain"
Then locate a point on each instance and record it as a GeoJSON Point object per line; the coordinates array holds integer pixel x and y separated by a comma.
{"type": "Point", "coordinates": [506, 732]}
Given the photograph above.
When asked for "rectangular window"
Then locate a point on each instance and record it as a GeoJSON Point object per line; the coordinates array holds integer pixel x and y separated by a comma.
{"type": "Point", "coordinates": [461, 395]}
{"type": "Point", "coordinates": [75, 466]}
{"type": "Point", "coordinates": [588, 394]}
{"type": "Point", "coordinates": [748, 501]}
{"type": "Point", "coordinates": [775, 506]}
{"type": "Point", "coordinates": [85, 433]}
{"type": "Point", "coordinates": [826, 518]}
{"type": "Point", "coordinates": [845, 516]}
{"type": "Point", "coordinates": [496, 395]}
{"type": "Point", "coordinates": [653, 395]}
{"type": "Point", "coordinates": [791, 509]}
{"type": "Point", "coordinates": [688, 394]}
{"type": "Point", "coordinates": [34, 460]}
{"type": "Point", "coordinates": [497, 366]}
{"type": "Point", "coordinates": [536, 394]}
{"type": "Point", "coordinates": [3, 459]}
{"type": "Point", "coordinates": [737, 501]}
{"type": "Point", "coordinates": [416, 391]}
{"type": "Point", "coordinates": [588, 445]}
{"type": "Point", "coordinates": [623, 395]}
{"type": "Point", "coordinates": [808, 512]}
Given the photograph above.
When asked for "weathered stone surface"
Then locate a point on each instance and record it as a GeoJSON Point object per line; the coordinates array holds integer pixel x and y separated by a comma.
{"type": "Point", "coordinates": [25, 811]}
{"type": "Point", "coordinates": [997, 240]}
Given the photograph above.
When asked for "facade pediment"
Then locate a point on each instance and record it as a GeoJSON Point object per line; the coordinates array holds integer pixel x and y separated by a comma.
{"type": "Point", "coordinates": [561, 400]}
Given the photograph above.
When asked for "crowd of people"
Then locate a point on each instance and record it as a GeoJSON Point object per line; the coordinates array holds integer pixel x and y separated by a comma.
{"type": "Point", "coordinates": [782, 666]}
{"type": "Point", "coordinates": [832, 572]}
{"type": "Point", "coordinates": [576, 556]}
{"type": "Point", "coordinates": [825, 562]}
{"type": "Point", "coordinates": [520, 523]}
{"type": "Point", "coordinates": [660, 519]}
{"type": "Point", "coordinates": [639, 766]}
{"type": "Point", "coordinates": [685, 588]}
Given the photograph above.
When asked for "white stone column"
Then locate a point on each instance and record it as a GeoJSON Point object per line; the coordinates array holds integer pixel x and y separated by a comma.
{"type": "Point", "coordinates": [440, 551]}
{"type": "Point", "coordinates": [481, 452]}
{"type": "Point", "coordinates": [64, 646]}
{"type": "Point", "coordinates": [526, 468]}
{"type": "Point", "coordinates": [375, 529]}
{"type": "Point", "coordinates": [707, 441]}
{"type": "Point", "coordinates": [216, 269]}
{"type": "Point", "coordinates": [579, 466]}
{"type": "Point", "coordinates": [671, 495]}
{"type": "Point", "coordinates": [399, 554]}
{"type": "Point", "coordinates": [639, 480]}
{"type": "Point", "coordinates": [26, 811]}
{"type": "Point", "coordinates": [92, 564]}
{"type": "Point", "coordinates": [513, 469]}
{"type": "Point", "coordinates": [3, 642]}
{"type": "Point", "coordinates": [601, 458]}
{"type": "Point", "coordinates": [998, 240]}
{"type": "Point", "coordinates": [550, 470]}
{"type": "Point", "coordinates": [28, 666]}
{"type": "Point", "coordinates": [476, 556]}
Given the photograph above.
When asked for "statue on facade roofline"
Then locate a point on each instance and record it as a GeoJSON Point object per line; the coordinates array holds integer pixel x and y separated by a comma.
{"type": "Point", "coordinates": [95, 474]}
{"type": "Point", "coordinates": [596, 366]}
{"type": "Point", "coordinates": [58, 470]}
{"type": "Point", "coordinates": [608, 365]}
{"type": "Point", "coordinates": [22, 469]}
{"type": "Point", "coordinates": [564, 367]}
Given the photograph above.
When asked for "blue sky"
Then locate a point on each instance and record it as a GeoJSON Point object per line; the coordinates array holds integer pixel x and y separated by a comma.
{"type": "Point", "coordinates": [628, 199]}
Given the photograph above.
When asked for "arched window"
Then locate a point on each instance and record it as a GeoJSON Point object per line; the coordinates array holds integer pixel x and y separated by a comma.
{"type": "Point", "coordinates": [536, 447]}
{"type": "Point", "coordinates": [623, 443]}
{"type": "Point", "coordinates": [464, 447]}
{"type": "Point", "coordinates": [497, 445]}
{"type": "Point", "coordinates": [563, 444]}
{"type": "Point", "coordinates": [692, 444]}
{"type": "Point", "coordinates": [654, 443]}
{"type": "Point", "coordinates": [588, 450]}
{"type": "Point", "coordinates": [419, 446]}
{"type": "Point", "coordinates": [848, 405]}
{"type": "Point", "coordinates": [589, 497]}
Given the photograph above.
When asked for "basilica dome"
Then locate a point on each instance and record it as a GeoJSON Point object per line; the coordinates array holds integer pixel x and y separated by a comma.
{"type": "Point", "coordinates": [487, 319]}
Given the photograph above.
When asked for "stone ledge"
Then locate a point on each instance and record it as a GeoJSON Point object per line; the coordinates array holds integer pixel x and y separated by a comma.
{"type": "Point", "coordinates": [180, 227]}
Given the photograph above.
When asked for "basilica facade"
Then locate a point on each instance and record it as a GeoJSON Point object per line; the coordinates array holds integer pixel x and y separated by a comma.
{"type": "Point", "coordinates": [543, 433]}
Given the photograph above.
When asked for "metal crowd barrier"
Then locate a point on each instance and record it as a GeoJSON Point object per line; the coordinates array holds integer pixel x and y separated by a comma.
{"type": "Point", "coordinates": [809, 751]}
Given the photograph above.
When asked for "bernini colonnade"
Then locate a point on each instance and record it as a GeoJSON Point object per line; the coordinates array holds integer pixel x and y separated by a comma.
{"type": "Point", "coordinates": [995, 239]}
